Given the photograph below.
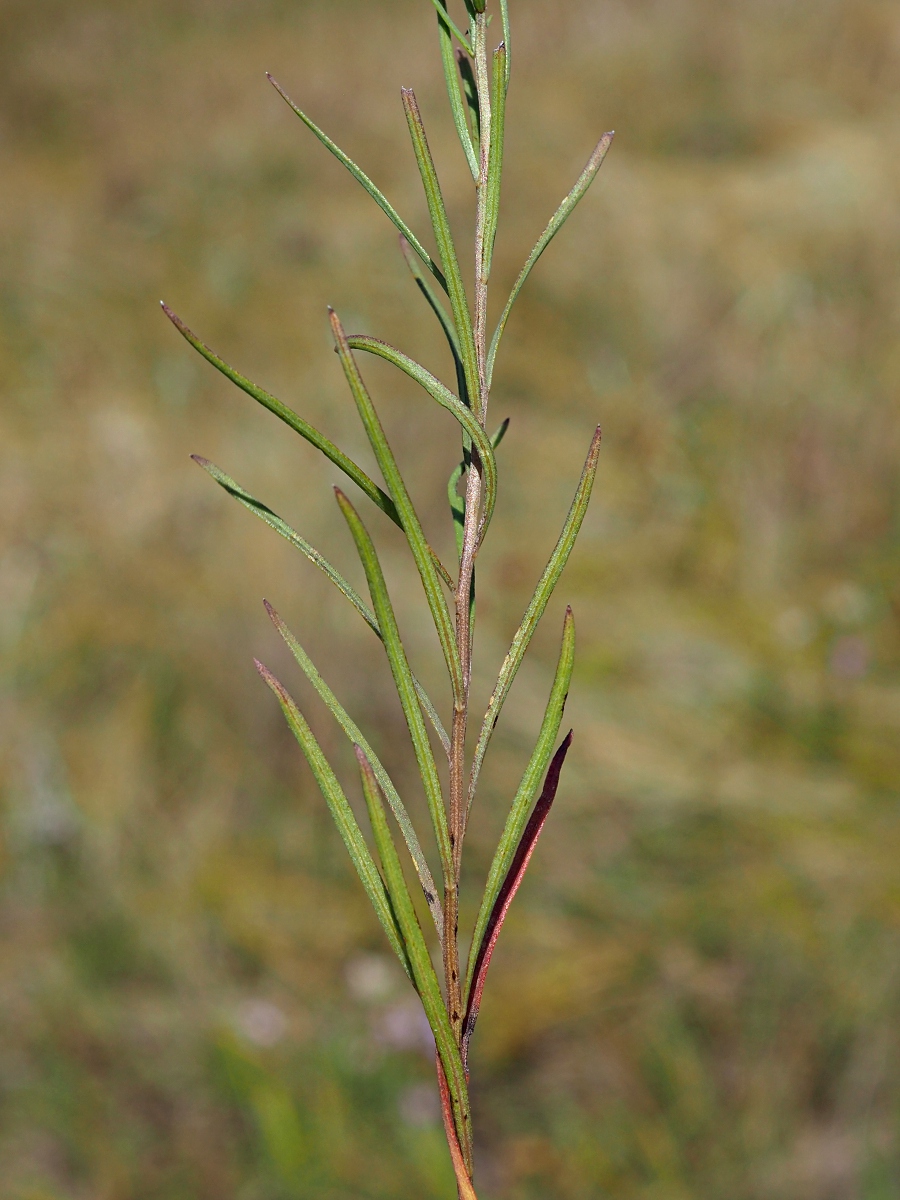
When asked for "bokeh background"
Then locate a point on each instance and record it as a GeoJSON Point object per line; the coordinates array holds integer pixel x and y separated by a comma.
{"type": "Point", "coordinates": [697, 995]}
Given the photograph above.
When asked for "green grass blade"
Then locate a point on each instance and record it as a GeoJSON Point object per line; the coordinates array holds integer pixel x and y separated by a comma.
{"type": "Point", "coordinates": [446, 399]}
{"type": "Point", "coordinates": [440, 312]}
{"type": "Point", "coordinates": [535, 610]}
{"type": "Point", "coordinates": [495, 158]}
{"type": "Point", "coordinates": [426, 980]}
{"type": "Point", "coordinates": [455, 289]}
{"type": "Point", "coordinates": [275, 522]}
{"type": "Point", "coordinates": [421, 551]}
{"type": "Point", "coordinates": [445, 29]}
{"type": "Point", "coordinates": [403, 681]}
{"type": "Point", "coordinates": [376, 494]}
{"type": "Point", "coordinates": [559, 218]}
{"type": "Point", "coordinates": [361, 177]}
{"type": "Point", "coordinates": [343, 817]}
{"type": "Point", "coordinates": [528, 788]}
{"type": "Point", "coordinates": [447, 20]}
{"type": "Point", "coordinates": [353, 732]}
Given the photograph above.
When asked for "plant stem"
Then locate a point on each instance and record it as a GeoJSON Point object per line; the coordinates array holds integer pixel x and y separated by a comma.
{"type": "Point", "coordinates": [482, 268]}
{"type": "Point", "coordinates": [464, 589]}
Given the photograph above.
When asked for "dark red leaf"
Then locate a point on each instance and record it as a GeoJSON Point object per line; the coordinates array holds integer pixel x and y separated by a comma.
{"type": "Point", "coordinates": [510, 886]}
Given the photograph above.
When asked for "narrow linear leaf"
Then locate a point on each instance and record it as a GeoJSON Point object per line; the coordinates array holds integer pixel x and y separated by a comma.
{"type": "Point", "coordinates": [343, 817]}
{"type": "Point", "coordinates": [455, 289]}
{"type": "Point", "coordinates": [403, 681]}
{"type": "Point", "coordinates": [446, 399]}
{"type": "Point", "coordinates": [409, 521]}
{"type": "Point", "coordinates": [508, 890]}
{"type": "Point", "coordinates": [446, 322]}
{"type": "Point", "coordinates": [495, 159]}
{"type": "Point", "coordinates": [275, 522]}
{"type": "Point", "coordinates": [446, 19]}
{"type": "Point", "coordinates": [445, 29]}
{"type": "Point", "coordinates": [353, 732]}
{"type": "Point", "coordinates": [458, 502]}
{"type": "Point", "coordinates": [535, 610]}
{"type": "Point", "coordinates": [457, 506]}
{"type": "Point", "coordinates": [376, 494]}
{"type": "Point", "coordinates": [424, 976]}
{"type": "Point", "coordinates": [361, 177]}
{"type": "Point", "coordinates": [463, 1179]}
{"type": "Point", "coordinates": [527, 789]}
{"type": "Point", "coordinates": [559, 218]}
{"type": "Point", "coordinates": [470, 90]}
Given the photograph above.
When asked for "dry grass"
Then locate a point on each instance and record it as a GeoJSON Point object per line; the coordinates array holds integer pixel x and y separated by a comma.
{"type": "Point", "coordinates": [698, 994]}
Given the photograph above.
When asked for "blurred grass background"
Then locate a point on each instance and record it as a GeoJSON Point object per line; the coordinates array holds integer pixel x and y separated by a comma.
{"type": "Point", "coordinates": [698, 991]}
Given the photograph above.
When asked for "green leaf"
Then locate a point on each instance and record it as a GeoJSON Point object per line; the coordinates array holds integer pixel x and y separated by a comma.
{"type": "Point", "coordinates": [361, 177]}
{"type": "Point", "coordinates": [495, 159]}
{"type": "Point", "coordinates": [441, 7]}
{"type": "Point", "coordinates": [470, 90]}
{"type": "Point", "coordinates": [531, 781]}
{"type": "Point", "coordinates": [457, 506]}
{"type": "Point", "coordinates": [446, 322]}
{"type": "Point", "coordinates": [421, 551]}
{"type": "Point", "coordinates": [403, 681]}
{"type": "Point", "coordinates": [446, 399]}
{"type": "Point", "coordinates": [355, 735]}
{"type": "Point", "coordinates": [275, 522]}
{"type": "Point", "coordinates": [426, 980]}
{"type": "Point", "coordinates": [455, 289]}
{"type": "Point", "coordinates": [559, 218]}
{"type": "Point", "coordinates": [343, 817]}
{"type": "Point", "coordinates": [445, 28]}
{"type": "Point", "coordinates": [328, 448]}
{"type": "Point", "coordinates": [535, 610]}
{"type": "Point", "coordinates": [458, 502]}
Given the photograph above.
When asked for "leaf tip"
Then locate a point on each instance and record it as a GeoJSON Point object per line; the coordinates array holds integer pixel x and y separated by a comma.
{"type": "Point", "coordinates": [201, 461]}
{"type": "Point", "coordinates": [278, 688]}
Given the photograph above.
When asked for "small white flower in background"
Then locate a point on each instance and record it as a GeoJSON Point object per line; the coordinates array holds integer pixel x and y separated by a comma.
{"type": "Point", "coordinates": [370, 977]}
{"type": "Point", "coordinates": [261, 1022]}
{"type": "Point", "coordinates": [419, 1105]}
{"type": "Point", "coordinates": [404, 1026]}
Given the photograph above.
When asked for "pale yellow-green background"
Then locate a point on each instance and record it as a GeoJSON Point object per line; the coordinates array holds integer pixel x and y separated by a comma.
{"type": "Point", "coordinates": [697, 993]}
